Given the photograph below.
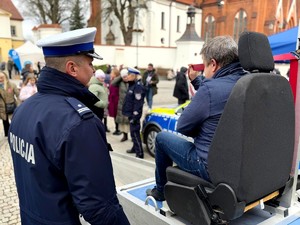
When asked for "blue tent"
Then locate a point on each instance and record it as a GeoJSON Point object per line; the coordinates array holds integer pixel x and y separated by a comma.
{"type": "Point", "coordinates": [284, 42]}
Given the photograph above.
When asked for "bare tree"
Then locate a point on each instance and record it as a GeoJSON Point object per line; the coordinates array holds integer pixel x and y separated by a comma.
{"type": "Point", "coordinates": [125, 11]}
{"type": "Point", "coordinates": [48, 11]}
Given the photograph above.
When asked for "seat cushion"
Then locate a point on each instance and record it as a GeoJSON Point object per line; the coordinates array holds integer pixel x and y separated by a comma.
{"type": "Point", "coordinates": [176, 175]}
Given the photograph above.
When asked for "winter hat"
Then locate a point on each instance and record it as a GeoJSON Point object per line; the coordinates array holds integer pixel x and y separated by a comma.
{"type": "Point", "coordinates": [100, 74]}
{"type": "Point", "coordinates": [124, 73]}
{"type": "Point", "coordinates": [27, 63]}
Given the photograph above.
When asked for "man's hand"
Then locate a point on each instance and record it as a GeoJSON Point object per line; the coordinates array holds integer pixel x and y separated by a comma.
{"type": "Point", "coordinates": [192, 73]}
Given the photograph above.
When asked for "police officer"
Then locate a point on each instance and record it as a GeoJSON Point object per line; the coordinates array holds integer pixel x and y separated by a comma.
{"type": "Point", "coordinates": [133, 109]}
{"type": "Point", "coordinates": [61, 161]}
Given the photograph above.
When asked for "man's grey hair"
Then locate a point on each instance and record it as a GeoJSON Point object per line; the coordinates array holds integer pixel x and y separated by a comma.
{"type": "Point", "coordinates": [223, 49]}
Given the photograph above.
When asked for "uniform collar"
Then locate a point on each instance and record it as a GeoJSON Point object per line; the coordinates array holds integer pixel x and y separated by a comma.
{"type": "Point", "coordinates": [52, 81]}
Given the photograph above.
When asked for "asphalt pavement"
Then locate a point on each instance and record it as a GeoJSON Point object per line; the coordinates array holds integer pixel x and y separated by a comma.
{"type": "Point", "coordinates": [9, 205]}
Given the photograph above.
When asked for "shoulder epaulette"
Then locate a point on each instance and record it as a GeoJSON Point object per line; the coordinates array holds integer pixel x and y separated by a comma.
{"type": "Point", "coordinates": [83, 111]}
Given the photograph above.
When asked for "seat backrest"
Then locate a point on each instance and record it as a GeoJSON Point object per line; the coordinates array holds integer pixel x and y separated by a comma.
{"type": "Point", "coordinates": [253, 145]}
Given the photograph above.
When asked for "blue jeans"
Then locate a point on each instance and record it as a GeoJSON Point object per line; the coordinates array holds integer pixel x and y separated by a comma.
{"type": "Point", "coordinates": [149, 97]}
{"type": "Point", "coordinates": [170, 148]}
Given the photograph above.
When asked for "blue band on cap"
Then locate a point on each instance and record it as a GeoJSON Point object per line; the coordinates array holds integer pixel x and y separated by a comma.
{"type": "Point", "coordinates": [68, 50]}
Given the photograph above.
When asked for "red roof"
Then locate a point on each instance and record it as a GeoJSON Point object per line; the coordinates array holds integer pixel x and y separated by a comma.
{"type": "Point", "coordinates": [8, 6]}
{"type": "Point", "coordinates": [46, 26]}
{"type": "Point", "coordinates": [187, 2]}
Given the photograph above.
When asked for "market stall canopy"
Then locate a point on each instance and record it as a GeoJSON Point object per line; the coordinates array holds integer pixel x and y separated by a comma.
{"type": "Point", "coordinates": [284, 42]}
{"type": "Point", "coordinates": [30, 52]}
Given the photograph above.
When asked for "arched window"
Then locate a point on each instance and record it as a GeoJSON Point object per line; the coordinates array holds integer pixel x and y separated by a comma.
{"type": "Point", "coordinates": [240, 24]}
{"type": "Point", "coordinates": [209, 28]}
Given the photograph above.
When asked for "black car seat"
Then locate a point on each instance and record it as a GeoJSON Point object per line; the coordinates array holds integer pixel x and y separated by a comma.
{"type": "Point", "coordinates": [250, 157]}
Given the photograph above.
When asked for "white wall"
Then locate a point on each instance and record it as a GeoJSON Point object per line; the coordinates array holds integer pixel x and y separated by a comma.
{"type": "Point", "coordinates": [19, 29]}
{"type": "Point", "coordinates": [5, 25]}
{"type": "Point", "coordinates": [132, 56]}
{"type": "Point", "coordinates": [45, 32]}
{"type": "Point", "coordinates": [150, 21]}
{"type": "Point", "coordinates": [188, 53]}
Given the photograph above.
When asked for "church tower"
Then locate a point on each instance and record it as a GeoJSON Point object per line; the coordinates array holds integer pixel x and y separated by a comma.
{"type": "Point", "coordinates": [189, 44]}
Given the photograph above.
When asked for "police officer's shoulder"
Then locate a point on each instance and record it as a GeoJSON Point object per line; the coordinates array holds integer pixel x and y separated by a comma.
{"type": "Point", "coordinates": [139, 83]}
{"type": "Point", "coordinates": [83, 111]}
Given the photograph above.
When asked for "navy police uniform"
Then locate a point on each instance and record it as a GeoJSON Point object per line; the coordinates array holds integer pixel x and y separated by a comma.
{"type": "Point", "coordinates": [60, 156]}
{"type": "Point", "coordinates": [133, 109]}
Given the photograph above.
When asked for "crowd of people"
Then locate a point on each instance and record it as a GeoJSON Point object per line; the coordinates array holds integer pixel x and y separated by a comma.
{"type": "Point", "coordinates": [12, 95]}
{"type": "Point", "coordinates": [109, 85]}
{"type": "Point", "coordinates": [65, 170]}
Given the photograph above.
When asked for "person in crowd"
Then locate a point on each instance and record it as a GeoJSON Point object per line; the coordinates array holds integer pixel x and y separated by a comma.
{"type": "Point", "coordinates": [200, 118]}
{"type": "Point", "coordinates": [10, 66]}
{"type": "Point", "coordinates": [171, 74]}
{"type": "Point", "coordinates": [29, 88]}
{"type": "Point", "coordinates": [9, 94]}
{"type": "Point", "coordinates": [150, 80]}
{"type": "Point", "coordinates": [60, 154]}
{"type": "Point", "coordinates": [3, 66]}
{"type": "Point", "coordinates": [113, 99]}
{"type": "Point", "coordinates": [121, 120]}
{"type": "Point", "coordinates": [38, 64]}
{"type": "Point", "coordinates": [27, 70]}
{"type": "Point", "coordinates": [97, 87]}
{"type": "Point", "coordinates": [133, 109]}
{"type": "Point", "coordinates": [181, 90]}
{"type": "Point", "coordinates": [276, 71]}
{"type": "Point", "coordinates": [17, 71]}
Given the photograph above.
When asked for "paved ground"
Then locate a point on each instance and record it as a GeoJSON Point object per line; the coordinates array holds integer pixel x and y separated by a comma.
{"type": "Point", "coordinates": [9, 209]}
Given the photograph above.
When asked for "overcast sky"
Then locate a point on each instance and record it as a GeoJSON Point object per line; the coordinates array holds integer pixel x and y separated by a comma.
{"type": "Point", "coordinates": [28, 24]}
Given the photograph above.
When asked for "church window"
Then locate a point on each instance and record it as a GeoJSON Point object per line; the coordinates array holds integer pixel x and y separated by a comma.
{"type": "Point", "coordinates": [240, 24]}
{"type": "Point", "coordinates": [209, 28]}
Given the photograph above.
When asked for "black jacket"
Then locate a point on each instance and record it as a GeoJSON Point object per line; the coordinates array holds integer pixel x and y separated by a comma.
{"type": "Point", "coordinates": [61, 161]}
{"type": "Point", "coordinates": [181, 90]}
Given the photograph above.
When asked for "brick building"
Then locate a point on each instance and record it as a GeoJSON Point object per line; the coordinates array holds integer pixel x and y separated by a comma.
{"type": "Point", "coordinates": [234, 16]}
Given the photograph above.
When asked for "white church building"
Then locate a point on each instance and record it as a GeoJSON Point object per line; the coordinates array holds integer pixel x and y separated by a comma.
{"type": "Point", "coordinates": [169, 38]}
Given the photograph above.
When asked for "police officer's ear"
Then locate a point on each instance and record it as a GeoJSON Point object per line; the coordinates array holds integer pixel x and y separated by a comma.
{"type": "Point", "coordinates": [71, 68]}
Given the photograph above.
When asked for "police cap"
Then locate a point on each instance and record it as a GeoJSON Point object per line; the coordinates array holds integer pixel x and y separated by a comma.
{"type": "Point", "coordinates": [133, 71]}
{"type": "Point", "coordinates": [75, 42]}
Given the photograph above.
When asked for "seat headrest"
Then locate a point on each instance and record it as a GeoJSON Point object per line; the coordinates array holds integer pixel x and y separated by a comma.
{"type": "Point", "coordinates": [255, 53]}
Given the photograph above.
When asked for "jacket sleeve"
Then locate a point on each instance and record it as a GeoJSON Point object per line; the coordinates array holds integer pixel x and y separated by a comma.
{"type": "Point", "coordinates": [16, 90]}
{"type": "Point", "coordinates": [191, 119]}
{"type": "Point", "coordinates": [89, 173]}
{"type": "Point", "coordinates": [155, 79]}
{"type": "Point", "coordinates": [103, 97]}
{"type": "Point", "coordinates": [116, 82]}
{"type": "Point", "coordinates": [197, 82]}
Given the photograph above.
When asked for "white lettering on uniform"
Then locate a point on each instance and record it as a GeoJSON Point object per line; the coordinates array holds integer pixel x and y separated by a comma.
{"type": "Point", "coordinates": [23, 148]}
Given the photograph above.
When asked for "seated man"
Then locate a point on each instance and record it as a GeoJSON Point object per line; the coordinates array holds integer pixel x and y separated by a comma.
{"type": "Point", "coordinates": [200, 118]}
